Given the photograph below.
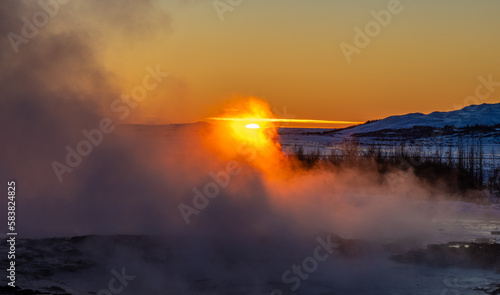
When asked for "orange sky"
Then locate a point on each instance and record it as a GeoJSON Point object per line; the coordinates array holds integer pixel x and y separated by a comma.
{"type": "Point", "coordinates": [428, 58]}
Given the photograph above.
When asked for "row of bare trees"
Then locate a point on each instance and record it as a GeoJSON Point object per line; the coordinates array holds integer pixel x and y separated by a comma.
{"type": "Point", "coordinates": [463, 162]}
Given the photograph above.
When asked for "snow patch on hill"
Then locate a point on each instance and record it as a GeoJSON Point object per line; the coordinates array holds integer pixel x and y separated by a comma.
{"type": "Point", "coordinates": [484, 114]}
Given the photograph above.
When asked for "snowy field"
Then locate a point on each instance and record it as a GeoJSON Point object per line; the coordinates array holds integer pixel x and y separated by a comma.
{"type": "Point", "coordinates": [310, 140]}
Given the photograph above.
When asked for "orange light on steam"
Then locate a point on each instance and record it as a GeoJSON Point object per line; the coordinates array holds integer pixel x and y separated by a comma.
{"type": "Point", "coordinates": [245, 132]}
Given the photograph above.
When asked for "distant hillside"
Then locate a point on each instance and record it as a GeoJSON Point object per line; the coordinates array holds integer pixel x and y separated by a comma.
{"type": "Point", "coordinates": [484, 114]}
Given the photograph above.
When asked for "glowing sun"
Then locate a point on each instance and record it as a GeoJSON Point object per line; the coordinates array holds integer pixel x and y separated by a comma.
{"type": "Point", "coordinates": [252, 126]}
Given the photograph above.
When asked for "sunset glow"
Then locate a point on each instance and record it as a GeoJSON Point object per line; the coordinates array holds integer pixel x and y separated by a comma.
{"type": "Point", "coordinates": [240, 135]}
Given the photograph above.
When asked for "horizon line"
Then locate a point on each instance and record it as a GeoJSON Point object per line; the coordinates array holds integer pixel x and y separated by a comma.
{"type": "Point", "coordinates": [308, 121]}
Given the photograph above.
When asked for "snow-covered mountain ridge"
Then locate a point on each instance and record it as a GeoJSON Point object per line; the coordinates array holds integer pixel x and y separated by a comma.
{"type": "Point", "coordinates": [484, 114]}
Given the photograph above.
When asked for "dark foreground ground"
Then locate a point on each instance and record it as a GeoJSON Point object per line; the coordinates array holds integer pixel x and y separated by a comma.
{"type": "Point", "coordinates": [156, 265]}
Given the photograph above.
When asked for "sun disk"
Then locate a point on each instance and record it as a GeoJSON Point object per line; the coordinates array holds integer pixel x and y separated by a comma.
{"type": "Point", "coordinates": [252, 126]}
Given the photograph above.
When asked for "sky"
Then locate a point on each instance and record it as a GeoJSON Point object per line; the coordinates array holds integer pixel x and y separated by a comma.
{"type": "Point", "coordinates": [428, 57]}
